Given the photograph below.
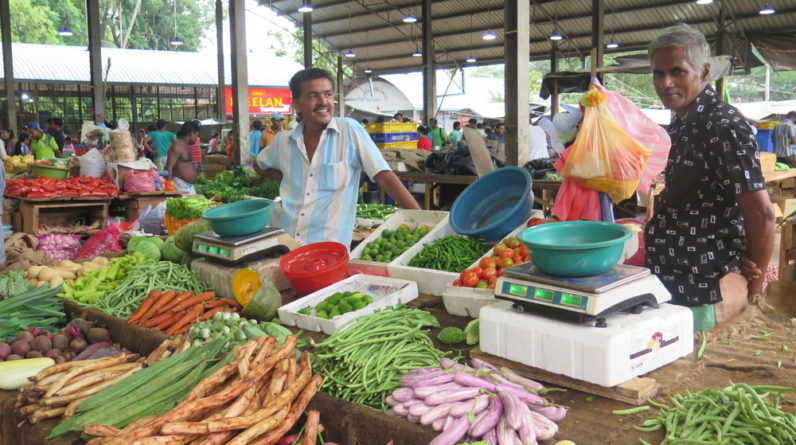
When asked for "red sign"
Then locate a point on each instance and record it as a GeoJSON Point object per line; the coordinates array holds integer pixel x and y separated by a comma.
{"type": "Point", "coordinates": [263, 100]}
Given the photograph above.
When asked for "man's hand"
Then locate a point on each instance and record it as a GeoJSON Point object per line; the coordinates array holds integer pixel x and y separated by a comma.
{"type": "Point", "coordinates": [391, 185]}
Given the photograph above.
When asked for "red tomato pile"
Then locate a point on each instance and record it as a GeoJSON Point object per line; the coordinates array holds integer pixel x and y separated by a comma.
{"type": "Point", "coordinates": [44, 187]}
{"type": "Point", "coordinates": [536, 221]}
{"type": "Point", "coordinates": [507, 253]}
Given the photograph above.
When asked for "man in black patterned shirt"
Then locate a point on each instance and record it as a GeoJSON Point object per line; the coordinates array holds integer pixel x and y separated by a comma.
{"type": "Point", "coordinates": [715, 200]}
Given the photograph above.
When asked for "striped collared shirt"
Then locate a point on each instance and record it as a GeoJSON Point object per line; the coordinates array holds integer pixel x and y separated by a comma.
{"type": "Point", "coordinates": [319, 197]}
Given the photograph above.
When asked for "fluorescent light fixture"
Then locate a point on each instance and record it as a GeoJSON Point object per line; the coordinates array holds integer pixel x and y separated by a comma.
{"type": "Point", "coordinates": [489, 35]}
{"type": "Point", "coordinates": [704, 2]}
{"type": "Point", "coordinates": [367, 71]}
{"type": "Point", "coordinates": [24, 96]}
{"type": "Point", "coordinates": [410, 19]}
{"type": "Point", "coordinates": [471, 59]}
{"type": "Point", "coordinates": [767, 10]}
{"type": "Point", "coordinates": [306, 7]}
{"type": "Point", "coordinates": [417, 53]}
{"type": "Point", "coordinates": [176, 41]}
{"type": "Point", "coordinates": [65, 33]}
{"type": "Point", "coordinates": [556, 36]}
{"type": "Point", "coordinates": [612, 45]}
{"type": "Point", "coordinates": [350, 53]}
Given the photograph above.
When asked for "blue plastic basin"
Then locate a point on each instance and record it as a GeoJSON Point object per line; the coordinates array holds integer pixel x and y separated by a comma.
{"type": "Point", "coordinates": [494, 205]}
{"type": "Point", "coordinates": [240, 218]}
{"type": "Point", "coordinates": [575, 248]}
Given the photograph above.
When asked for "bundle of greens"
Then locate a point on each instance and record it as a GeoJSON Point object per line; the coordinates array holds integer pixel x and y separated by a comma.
{"type": "Point", "coordinates": [236, 185]}
{"type": "Point", "coordinates": [187, 208]}
{"type": "Point", "coordinates": [13, 283]}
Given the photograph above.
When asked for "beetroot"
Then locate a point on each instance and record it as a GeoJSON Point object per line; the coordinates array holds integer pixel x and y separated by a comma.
{"type": "Point", "coordinates": [25, 335]}
{"type": "Point", "coordinates": [13, 357]}
{"type": "Point", "coordinates": [20, 347]}
{"type": "Point", "coordinates": [60, 342]}
{"type": "Point", "coordinates": [42, 343]}
{"type": "Point", "coordinates": [77, 345]}
{"type": "Point", "coordinates": [33, 354]}
{"type": "Point", "coordinates": [5, 351]}
{"type": "Point", "coordinates": [84, 325]}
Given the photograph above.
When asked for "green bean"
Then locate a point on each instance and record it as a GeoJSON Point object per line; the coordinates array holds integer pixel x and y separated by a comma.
{"type": "Point", "coordinates": [638, 409]}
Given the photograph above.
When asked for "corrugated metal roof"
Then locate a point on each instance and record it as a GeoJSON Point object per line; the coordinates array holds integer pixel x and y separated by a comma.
{"type": "Point", "coordinates": [70, 64]}
{"type": "Point", "coordinates": [375, 31]}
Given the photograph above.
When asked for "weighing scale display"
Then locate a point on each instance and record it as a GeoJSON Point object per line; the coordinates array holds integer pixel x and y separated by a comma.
{"type": "Point", "coordinates": [542, 295]}
{"type": "Point", "coordinates": [212, 250]}
{"type": "Point", "coordinates": [571, 300]}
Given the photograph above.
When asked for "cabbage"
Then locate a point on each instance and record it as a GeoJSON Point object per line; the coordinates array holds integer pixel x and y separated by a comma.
{"type": "Point", "coordinates": [170, 251]}
{"type": "Point", "coordinates": [149, 250]}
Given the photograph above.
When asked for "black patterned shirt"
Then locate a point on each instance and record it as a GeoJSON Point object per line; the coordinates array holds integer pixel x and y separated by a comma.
{"type": "Point", "coordinates": [694, 237]}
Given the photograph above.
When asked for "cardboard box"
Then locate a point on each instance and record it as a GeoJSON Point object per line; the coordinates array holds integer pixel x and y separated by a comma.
{"type": "Point", "coordinates": [768, 162]}
{"type": "Point", "coordinates": [786, 204]}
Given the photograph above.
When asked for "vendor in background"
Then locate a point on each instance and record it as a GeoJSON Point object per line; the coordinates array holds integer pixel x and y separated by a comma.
{"type": "Point", "coordinates": [9, 141]}
{"type": "Point", "coordinates": [55, 128]}
{"type": "Point", "coordinates": [423, 141]}
{"type": "Point", "coordinates": [22, 147]}
{"type": "Point", "coordinates": [196, 147]}
{"type": "Point", "coordinates": [254, 138]}
{"type": "Point", "coordinates": [270, 133]}
{"type": "Point", "coordinates": [397, 118]}
{"type": "Point", "coordinates": [456, 134]}
{"type": "Point", "coordinates": [145, 142]}
{"type": "Point", "coordinates": [214, 144]}
{"type": "Point", "coordinates": [715, 201]}
{"type": "Point", "coordinates": [784, 138]}
{"type": "Point", "coordinates": [180, 165]}
{"type": "Point", "coordinates": [320, 165]}
{"type": "Point", "coordinates": [161, 141]}
{"type": "Point", "coordinates": [437, 135]}
{"type": "Point", "coordinates": [43, 146]}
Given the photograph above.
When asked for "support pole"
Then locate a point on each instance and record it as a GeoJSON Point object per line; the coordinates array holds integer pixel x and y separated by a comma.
{"type": "Point", "coordinates": [429, 67]}
{"type": "Point", "coordinates": [8, 67]}
{"type": "Point", "coordinates": [307, 22]}
{"type": "Point", "coordinates": [240, 79]}
{"type": "Point", "coordinates": [340, 93]}
{"type": "Point", "coordinates": [554, 57]}
{"type": "Point", "coordinates": [95, 60]}
{"type": "Point", "coordinates": [221, 113]}
{"type": "Point", "coordinates": [516, 43]}
{"type": "Point", "coordinates": [720, 49]}
{"type": "Point", "coordinates": [597, 33]}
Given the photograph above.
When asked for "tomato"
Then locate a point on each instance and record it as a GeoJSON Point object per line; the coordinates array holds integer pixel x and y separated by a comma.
{"type": "Point", "coordinates": [478, 270]}
{"type": "Point", "coordinates": [488, 273]}
{"type": "Point", "coordinates": [482, 284]}
{"type": "Point", "coordinates": [470, 278]}
{"type": "Point", "coordinates": [511, 242]}
{"type": "Point", "coordinates": [535, 222]}
{"type": "Point", "coordinates": [506, 262]}
{"type": "Point", "coordinates": [499, 273]}
{"type": "Point", "coordinates": [462, 274]}
{"type": "Point", "coordinates": [457, 282]}
{"type": "Point", "coordinates": [506, 253]}
{"type": "Point", "coordinates": [492, 280]}
{"type": "Point", "coordinates": [486, 263]}
{"type": "Point", "coordinates": [490, 286]}
{"type": "Point", "coordinates": [524, 251]}
{"type": "Point", "coordinates": [499, 248]}
{"type": "Point", "coordinates": [517, 258]}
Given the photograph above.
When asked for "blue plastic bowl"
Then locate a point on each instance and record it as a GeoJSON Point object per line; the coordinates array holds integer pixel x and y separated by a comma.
{"type": "Point", "coordinates": [575, 248]}
{"type": "Point", "coordinates": [494, 205]}
{"type": "Point", "coordinates": [240, 218]}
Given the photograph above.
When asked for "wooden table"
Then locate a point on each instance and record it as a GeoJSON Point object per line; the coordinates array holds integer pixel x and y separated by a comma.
{"type": "Point", "coordinates": [135, 202]}
{"type": "Point", "coordinates": [51, 211]}
{"type": "Point", "coordinates": [774, 180]}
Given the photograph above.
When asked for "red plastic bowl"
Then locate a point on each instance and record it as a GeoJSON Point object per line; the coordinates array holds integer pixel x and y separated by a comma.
{"type": "Point", "coordinates": [312, 267]}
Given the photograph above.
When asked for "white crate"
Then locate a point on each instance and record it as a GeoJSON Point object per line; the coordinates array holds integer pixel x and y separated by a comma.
{"type": "Point", "coordinates": [385, 292]}
{"type": "Point", "coordinates": [468, 301]}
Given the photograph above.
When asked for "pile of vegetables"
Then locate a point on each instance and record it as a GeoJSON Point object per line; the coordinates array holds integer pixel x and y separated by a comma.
{"type": "Point", "coordinates": [392, 243]}
{"type": "Point", "coordinates": [452, 335]}
{"type": "Point", "coordinates": [187, 208]}
{"type": "Point", "coordinates": [152, 390]}
{"type": "Point", "coordinates": [148, 246]}
{"type": "Point", "coordinates": [79, 340]}
{"type": "Point", "coordinates": [236, 185]}
{"type": "Point", "coordinates": [62, 272]}
{"type": "Point", "coordinates": [737, 413]}
{"type": "Point", "coordinates": [338, 304]}
{"type": "Point", "coordinates": [142, 279]}
{"type": "Point", "coordinates": [237, 330]}
{"type": "Point", "coordinates": [98, 280]}
{"type": "Point", "coordinates": [375, 211]}
{"type": "Point", "coordinates": [170, 252]}
{"type": "Point", "coordinates": [174, 313]}
{"type": "Point", "coordinates": [262, 392]}
{"type": "Point", "coordinates": [17, 164]}
{"type": "Point", "coordinates": [60, 390]}
{"type": "Point", "coordinates": [449, 253]}
{"type": "Point", "coordinates": [363, 361]}
{"type": "Point", "coordinates": [34, 309]}
{"type": "Point", "coordinates": [478, 402]}
{"type": "Point", "coordinates": [44, 187]}
{"type": "Point", "coordinates": [507, 253]}
{"type": "Point", "coordinates": [59, 247]}
{"type": "Point", "coordinates": [13, 282]}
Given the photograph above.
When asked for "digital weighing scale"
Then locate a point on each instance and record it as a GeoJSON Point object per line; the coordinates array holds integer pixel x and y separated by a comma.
{"type": "Point", "coordinates": [268, 242]}
{"type": "Point", "coordinates": [623, 288]}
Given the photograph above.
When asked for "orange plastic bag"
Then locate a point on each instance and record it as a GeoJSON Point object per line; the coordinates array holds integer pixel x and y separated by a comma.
{"type": "Point", "coordinates": [604, 157]}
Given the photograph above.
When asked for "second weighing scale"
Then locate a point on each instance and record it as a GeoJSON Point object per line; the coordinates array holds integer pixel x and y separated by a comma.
{"type": "Point", "coordinates": [623, 288]}
{"type": "Point", "coordinates": [270, 241]}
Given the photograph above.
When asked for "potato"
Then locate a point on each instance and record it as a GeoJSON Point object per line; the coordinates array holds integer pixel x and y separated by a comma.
{"type": "Point", "coordinates": [34, 271]}
{"type": "Point", "coordinates": [41, 283]}
{"type": "Point", "coordinates": [55, 282]}
{"type": "Point", "coordinates": [101, 260]}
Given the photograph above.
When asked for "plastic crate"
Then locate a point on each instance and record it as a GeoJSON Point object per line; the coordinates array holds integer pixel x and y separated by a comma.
{"type": "Point", "coordinates": [405, 144]}
{"type": "Point", "coordinates": [385, 292]}
{"type": "Point", "coordinates": [767, 125]}
{"type": "Point", "coordinates": [383, 138]}
{"type": "Point", "coordinates": [387, 127]}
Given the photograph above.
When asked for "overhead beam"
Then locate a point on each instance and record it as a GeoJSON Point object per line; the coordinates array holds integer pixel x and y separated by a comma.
{"type": "Point", "coordinates": [95, 60]}
{"type": "Point", "coordinates": [8, 69]}
{"type": "Point", "coordinates": [517, 31]}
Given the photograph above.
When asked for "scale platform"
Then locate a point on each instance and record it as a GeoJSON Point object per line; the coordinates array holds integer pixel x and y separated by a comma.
{"type": "Point", "coordinates": [270, 241]}
{"type": "Point", "coordinates": [631, 345]}
{"type": "Point", "coordinates": [580, 299]}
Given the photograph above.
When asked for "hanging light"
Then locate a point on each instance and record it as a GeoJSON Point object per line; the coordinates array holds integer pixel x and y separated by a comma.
{"type": "Point", "coordinates": [176, 41]}
{"type": "Point", "coordinates": [417, 53]}
{"type": "Point", "coordinates": [704, 2]}
{"type": "Point", "coordinates": [767, 10]}
{"type": "Point", "coordinates": [410, 19]}
{"type": "Point", "coordinates": [612, 44]}
{"type": "Point", "coordinates": [471, 59]}
{"type": "Point", "coordinates": [24, 96]}
{"type": "Point", "coordinates": [65, 32]}
{"type": "Point", "coordinates": [367, 71]}
{"type": "Point", "coordinates": [556, 36]}
{"type": "Point", "coordinates": [350, 53]}
{"type": "Point", "coordinates": [306, 7]}
{"type": "Point", "coordinates": [489, 35]}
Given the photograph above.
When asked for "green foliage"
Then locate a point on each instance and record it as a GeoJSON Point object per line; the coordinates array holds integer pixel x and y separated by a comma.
{"type": "Point", "coordinates": [451, 335]}
{"type": "Point", "coordinates": [236, 185]}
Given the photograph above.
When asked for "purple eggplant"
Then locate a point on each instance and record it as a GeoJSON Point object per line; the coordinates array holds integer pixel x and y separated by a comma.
{"type": "Point", "coordinates": [525, 396]}
{"type": "Point", "coordinates": [434, 414]}
{"type": "Point", "coordinates": [446, 362]}
{"type": "Point", "coordinates": [400, 410]}
{"type": "Point", "coordinates": [488, 419]}
{"type": "Point", "coordinates": [419, 409]}
{"type": "Point", "coordinates": [527, 430]}
{"type": "Point", "coordinates": [437, 425]}
{"type": "Point", "coordinates": [403, 394]}
{"type": "Point", "coordinates": [506, 434]}
{"type": "Point", "coordinates": [434, 380]}
{"type": "Point", "coordinates": [90, 350]}
{"type": "Point", "coordinates": [466, 379]}
{"type": "Point", "coordinates": [545, 428]}
{"type": "Point", "coordinates": [490, 437]}
{"type": "Point", "coordinates": [474, 406]}
{"type": "Point", "coordinates": [553, 412]}
{"type": "Point", "coordinates": [425, 391]}
{"type": "Point", "coordinates": [413, 419]}
{"type": "Point", "coordinates": [416, 376]}
{"type": "Point", "coordinates": [452, 434]}
{"type": "Point", "coordinates": [390, 401]}
{"type": "Point", "coordinates": [520, 380]}
{"type": "Point", "coordinates": [512, 406]}
{"type": "Point", "coordinates": [452, 395]}
{"type": "Point", "coordinates": [476, 363]}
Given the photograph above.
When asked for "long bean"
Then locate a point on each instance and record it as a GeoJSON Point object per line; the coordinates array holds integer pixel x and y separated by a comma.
{"type": "Point", "coordinates": [737, 413]}
{"type": "Point", "coordinates": [450, 253]}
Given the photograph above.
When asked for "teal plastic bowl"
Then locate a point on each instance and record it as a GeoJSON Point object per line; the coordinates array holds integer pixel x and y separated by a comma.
{"type": "Point", "coordinates": [575, 248]}
{"type": "Point", "coordinates": [240, 218]}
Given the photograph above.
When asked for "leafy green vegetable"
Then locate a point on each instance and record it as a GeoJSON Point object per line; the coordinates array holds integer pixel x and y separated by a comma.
{"type": "Point", "coordinates": [236, 185]}
{"type": "Point", "coordinates": [187, 208]}
{"type": "Point", "coordinates": [13, 283]}
{"type": "Point", "coordinates": [451, 335]}
{"type": "Point", "coordinates": [170, 251]}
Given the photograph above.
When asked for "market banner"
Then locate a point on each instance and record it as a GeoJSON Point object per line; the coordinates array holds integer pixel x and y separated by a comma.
{"type": "Point", "coordinates": [263, 100]}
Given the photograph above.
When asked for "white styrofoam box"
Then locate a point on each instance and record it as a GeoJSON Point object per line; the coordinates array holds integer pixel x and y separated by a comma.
{"type": "Point", "coordinates": [385, 292]}
{"type": "Point", "coordinates": [467, 301]}
{"type": "Point", "coordinates": [412, 218]}
{"type": "Point", "coordinates": [631, 344]}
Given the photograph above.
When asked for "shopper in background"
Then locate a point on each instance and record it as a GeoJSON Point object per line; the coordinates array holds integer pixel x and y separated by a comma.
{"type": "Point", "coordinates": [397, 118]}
{"type": "Point", "coordinates": [437, 134]}
{"type": "Point", "coordinates": [270, 133]}
{"type": "Point", "coordinates": [214, 144]}
{"type": "Point", "coordinates": [180, 165]}
{"type": "Point", "coordinates": [294, 122]}
{"type": "Point", "coordinates": [43, 146]}
{"type": "Point", "coordinates": [784, 138]}
{"type": "Point", "coordinates": [22, 147]}
{"type": "Point", "coordinates": [456, 134]}
{"type": "Point", "coordinates": [9, 141]}
{"type": "Point", "coordinates": [423, 141]}
{"type": "Point", "coordinates": [229, 146]}
{"type": "Point", "coordinates": [254, 138]}
{"type": "Point", "coordinates": [196, 146]}
{"type": "Point", "coordinates": [161, 142]}
{"type": "Point", "coordinates": [2, 236]}
{"type": "Point", "coordinates": [55, 128]}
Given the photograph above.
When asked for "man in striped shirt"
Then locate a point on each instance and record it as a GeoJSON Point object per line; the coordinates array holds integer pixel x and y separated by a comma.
{"type": "Point", "coordinates": [784, 138]}
{"type": "Point", "coordinates": [320, 163]}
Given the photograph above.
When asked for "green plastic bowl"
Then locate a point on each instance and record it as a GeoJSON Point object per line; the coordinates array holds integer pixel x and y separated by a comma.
{"type": "Point", "coordinates": [50, 172]}
{"type": "Point", "coordinates": [240, 218]}
{"type": "Point", "coordinates": [575, 248]}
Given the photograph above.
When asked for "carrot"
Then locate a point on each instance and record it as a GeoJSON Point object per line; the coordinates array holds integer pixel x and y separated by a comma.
{"type": "Point", "coordinates": [156, 306]}
{"type": "Point", "coordinates": [231, 302]}
{"type": "Point", "coordinates": [188, 302]}
{"type": "Point", "coordinates": [174, 302]}
{"type": "Point", "coordinates": [214, 303]}
{"type": "Point", "coordinates": [156, 321]}
{"type": "Point", "coordinates": [170, 321]}
{"type": "Point", "coordinates": [145, 305]}
{"type": "Point", "coordinates": [207, 315]}
{"type": "Point", "coordinates": [188, 318]}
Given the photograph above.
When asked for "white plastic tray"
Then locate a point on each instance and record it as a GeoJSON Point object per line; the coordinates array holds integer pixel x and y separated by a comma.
{"type": "Point", "coordinates": [385, 292]}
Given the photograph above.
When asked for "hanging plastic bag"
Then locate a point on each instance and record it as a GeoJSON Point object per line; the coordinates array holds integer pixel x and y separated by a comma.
{"type": "Point", "coordinates": [604, 157]}
{"type": "Point", "coordinates": [99, 243]}
{"type": "Point", "coordinates": [92, 163]}
{"type": "Point", "coordinates": [152, 219]}
{"type": "Point", "coordinates": [140, 181]}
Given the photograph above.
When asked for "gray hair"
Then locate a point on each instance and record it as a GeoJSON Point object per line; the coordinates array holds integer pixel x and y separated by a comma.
{"type": "Point", "coordinates": [697, 50]}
